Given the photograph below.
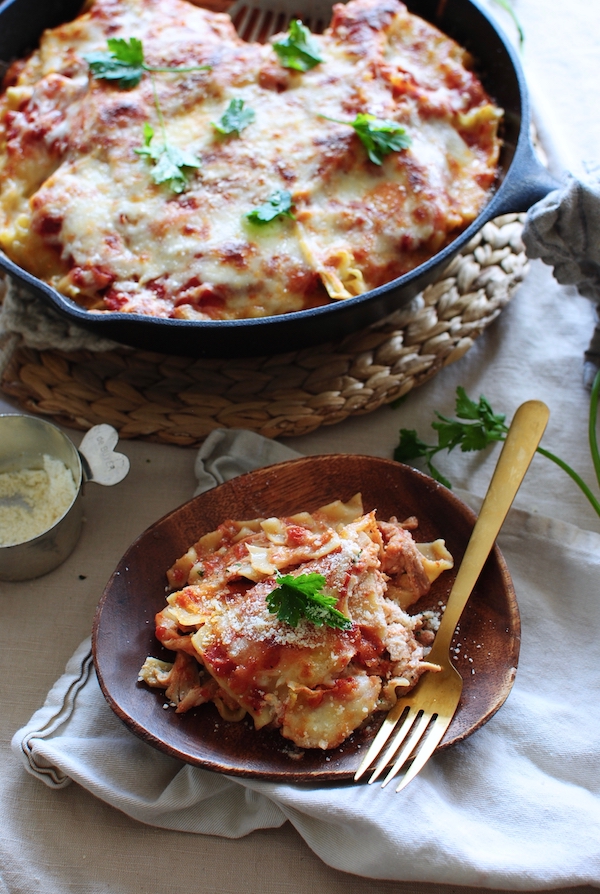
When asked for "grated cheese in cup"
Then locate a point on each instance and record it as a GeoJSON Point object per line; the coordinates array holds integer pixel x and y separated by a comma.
{"type": "Point", "coordinates": [33, 500]}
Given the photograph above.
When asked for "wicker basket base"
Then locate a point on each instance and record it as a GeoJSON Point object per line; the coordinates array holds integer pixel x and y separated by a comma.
{"type": "Point", "coordinates": [178, 400]}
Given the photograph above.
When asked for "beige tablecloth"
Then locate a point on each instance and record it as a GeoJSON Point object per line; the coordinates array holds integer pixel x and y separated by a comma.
{"type": "Point", "coordinates": [68, 840]}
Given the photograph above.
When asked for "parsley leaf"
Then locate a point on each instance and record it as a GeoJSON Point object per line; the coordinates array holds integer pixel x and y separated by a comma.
{"type": "Point", "coordinates": [279, 204]}
{"type": "Point", "coordinates": [379, 136]}
{"type": "Point", "coordinates": [483, 428]}
{"type": "Point", "coordinates": [169, 161]}
{"type": "Point", "coordinates": [302, 597]}
{"type": "Point", "coordinates": [298, 50]}
{"type": "Point", "coordinates": [235, 118]}
{"type": "Point", "coordinates": [124, 63]}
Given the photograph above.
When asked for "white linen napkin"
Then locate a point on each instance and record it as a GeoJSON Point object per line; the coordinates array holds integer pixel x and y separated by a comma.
{"type": "Point", "coordinates": [517, 805]}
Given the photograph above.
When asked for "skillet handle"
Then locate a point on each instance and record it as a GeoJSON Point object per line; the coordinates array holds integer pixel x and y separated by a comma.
{"type": "Point", "coordinates": [529, 181]}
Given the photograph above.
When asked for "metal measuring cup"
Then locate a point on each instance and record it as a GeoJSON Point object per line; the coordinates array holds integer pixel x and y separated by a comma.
{"type": "Point", "coordinates": [23, 442]}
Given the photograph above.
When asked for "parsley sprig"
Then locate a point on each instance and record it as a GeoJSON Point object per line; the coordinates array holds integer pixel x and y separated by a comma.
{"type": "Point", "coordinates": [298, 50]}
{"type": "Point", "coordinates": [279, 204]}
{"type": "Point", "coordinates": [477, 426]}
{"type": "Point", "coordinates": [124, 63]}
{"type": "Point", "coordinates": [302, 597]}
{"type": "Point", "coordinates": [170, 161]}
{"type": "Point", "coordinates": [379, 136]}
{"type": "Point", "coordinates": [235, 118]}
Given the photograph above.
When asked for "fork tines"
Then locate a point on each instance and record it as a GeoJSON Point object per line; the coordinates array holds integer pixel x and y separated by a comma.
{"type": "Point", "coordinates": [418, 734]}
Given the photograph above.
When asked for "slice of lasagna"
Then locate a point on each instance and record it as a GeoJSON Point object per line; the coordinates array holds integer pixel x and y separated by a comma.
{"type": "Point", "coordinates": [314, 682]}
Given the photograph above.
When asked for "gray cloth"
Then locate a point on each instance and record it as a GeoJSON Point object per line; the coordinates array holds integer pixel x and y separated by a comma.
{"type": "Point", "coordinates": [229, 452]}
{"type": "Point", "coordinates": [563, 229]}
{"type": "Point", "coordinates": [25, 314]}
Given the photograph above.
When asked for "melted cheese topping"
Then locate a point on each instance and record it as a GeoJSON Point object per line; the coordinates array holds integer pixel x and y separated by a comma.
{"type": "Point", "coordinates": [315, 684]}
{"type": "Point", "coordinates": [80, 210]}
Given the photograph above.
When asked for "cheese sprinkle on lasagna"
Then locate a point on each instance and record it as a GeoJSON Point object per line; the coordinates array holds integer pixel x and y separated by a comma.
{"type": "Point", "coordinates": [315, 683]}
{"type": "Point", "coordinates": [80, 209]}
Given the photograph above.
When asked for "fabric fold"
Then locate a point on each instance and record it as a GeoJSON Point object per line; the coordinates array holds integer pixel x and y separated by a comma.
{"type": "Point", "coordinates": [562, 229]}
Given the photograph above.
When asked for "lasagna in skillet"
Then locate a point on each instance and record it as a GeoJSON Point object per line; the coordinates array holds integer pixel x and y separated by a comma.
{"type": "Point", "coordinates": [218, 179]}
{"type": "Point", "coordinates": [298, 622]}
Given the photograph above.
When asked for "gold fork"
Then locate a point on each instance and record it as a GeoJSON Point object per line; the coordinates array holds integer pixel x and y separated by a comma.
{"type": "Point", "coordinates": [427, 711]}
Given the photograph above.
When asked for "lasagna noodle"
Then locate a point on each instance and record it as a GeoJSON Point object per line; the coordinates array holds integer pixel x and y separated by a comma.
{"type": "Point", "coordinates": [316, 684]}
{"type": "Point", "coordinates": [79, 207]}
{"type": "Point", "coordinates": [337, 269]}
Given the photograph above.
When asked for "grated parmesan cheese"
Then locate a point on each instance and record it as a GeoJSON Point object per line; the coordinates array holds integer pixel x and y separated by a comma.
{"type": "Point", "coordinates": [32, 500]}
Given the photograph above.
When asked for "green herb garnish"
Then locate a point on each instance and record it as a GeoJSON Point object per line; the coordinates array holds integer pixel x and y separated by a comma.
{"type": "Point", "coordinates": [279, 204]}
{"type": "Point", "coordinates": [379, 136]}
{"type": "Point", "coordinates": [235, 118]}
{"type": "Point", "coordinates": [482, 427]}
{"type": "Point", "coordinates": [303, 597]}
{"type": "Point", "coordinates": [298, 50]}
{"type": "Point", "coordinates": [124, 63]}
{"type": "Point", "coordinates": [169, 161]}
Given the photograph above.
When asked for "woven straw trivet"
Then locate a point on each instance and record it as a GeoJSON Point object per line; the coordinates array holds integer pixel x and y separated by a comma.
{"type": "Point", "coordinates": [178, 400]}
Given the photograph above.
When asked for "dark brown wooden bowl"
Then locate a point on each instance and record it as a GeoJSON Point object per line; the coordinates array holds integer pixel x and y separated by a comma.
{"type": "Point", "coordinates": [123, 632]}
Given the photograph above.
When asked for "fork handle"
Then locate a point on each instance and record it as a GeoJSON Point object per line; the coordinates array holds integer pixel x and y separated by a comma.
{"type": "Point", "coordinates": [523, 437]}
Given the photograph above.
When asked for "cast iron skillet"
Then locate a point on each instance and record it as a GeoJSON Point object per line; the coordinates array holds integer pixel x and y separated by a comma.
{"type": "Point", "coordinates": [522, 182]}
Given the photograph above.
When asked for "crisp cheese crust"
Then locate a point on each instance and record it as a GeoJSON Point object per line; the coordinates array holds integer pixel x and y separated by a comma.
{"type": "Point", "coordinates": [316, 684]}
{"type": "Point", "coordinates": [79, 207]}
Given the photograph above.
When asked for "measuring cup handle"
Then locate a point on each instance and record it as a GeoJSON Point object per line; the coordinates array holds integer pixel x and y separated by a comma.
{"type": "Point", "coordinates": [100, 462]}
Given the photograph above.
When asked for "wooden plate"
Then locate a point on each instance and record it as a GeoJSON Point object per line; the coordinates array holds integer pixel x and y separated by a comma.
{"type": "Point", "coordinates": [486, 645]}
